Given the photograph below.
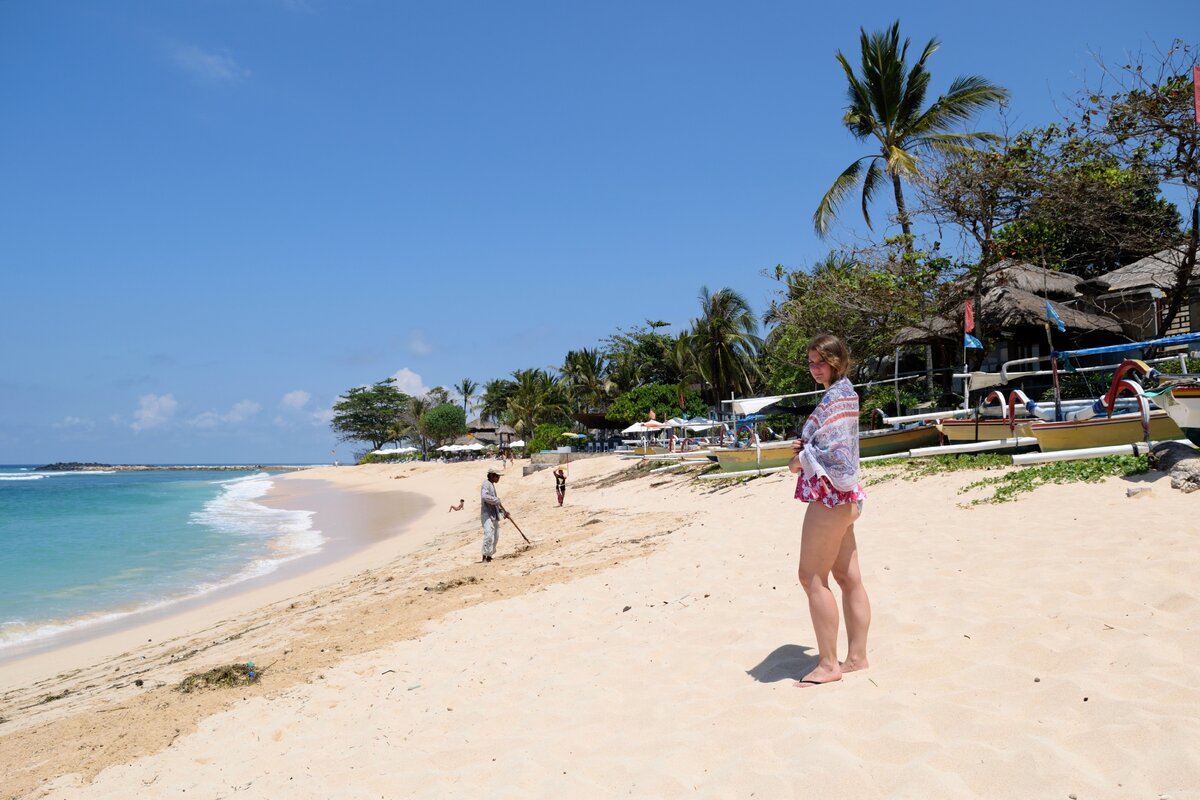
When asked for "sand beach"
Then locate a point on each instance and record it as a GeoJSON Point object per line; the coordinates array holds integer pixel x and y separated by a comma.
{"type": "Point", "coordinates": [645, 645]}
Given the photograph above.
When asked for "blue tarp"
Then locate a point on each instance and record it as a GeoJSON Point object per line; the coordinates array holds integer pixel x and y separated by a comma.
{"type": "Point", "coordinates": [1167, 341]}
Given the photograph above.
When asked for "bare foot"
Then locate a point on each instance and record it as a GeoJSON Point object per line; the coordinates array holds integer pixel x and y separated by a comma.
{"type": "Point", "coordinates": [817, 677]}
{"type": "Point", "coordinates": [854, 664]}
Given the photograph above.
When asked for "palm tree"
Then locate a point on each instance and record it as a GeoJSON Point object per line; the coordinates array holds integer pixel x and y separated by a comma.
{"type": "Point", "coordinates": [682, 359]}
{"type": "Point", "coordinates": [586, 380]}
{"type": "Point", "coordinates": [725, 342]}
{"type": "Point", "coordinates": [413, 419]}
{"type": "Point", "coordinates": [886, 104]}
{"type": "Point", "coordinates": [468, 389]}
{"type": "Point", "coordinates": [536, 398]}
{"type": "Point", "coordinates": [494, 400]}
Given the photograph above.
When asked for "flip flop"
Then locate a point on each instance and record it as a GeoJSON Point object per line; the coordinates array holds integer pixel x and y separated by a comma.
{"type": "Point", "coordinates": [811, 683]}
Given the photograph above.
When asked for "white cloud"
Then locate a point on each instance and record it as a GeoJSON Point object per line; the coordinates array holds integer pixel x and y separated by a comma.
{"type": "Point", "coordinates": [296, 399]}
{"type": "Point", "coordinates": [416, 343]}
{"type": "Point", "coordinates": [153, 410]}
{"type": "Point", "coordinates": [72, 422]}
{"type": "Point", "coordinates": [240, 412]}
{"type": "Point", "coordinates": [210, 67]}
{"type": "Point", "coordinates": [209, 419]}
{"type": "Point", "coordinates": [321, 417]}
{"type": "Point", "coordinates": [410, 383]}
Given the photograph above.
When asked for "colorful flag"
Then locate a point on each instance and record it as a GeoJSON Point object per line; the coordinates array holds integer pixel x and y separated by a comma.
{"type": "Point", "coordinates": [1196, 91]}
{"type": "Point", "coordinates": [971, 343]}
{"type": "Point", "coordinates": [1053, 317]}
{"type": "Point", "coordinates": [969, 316]}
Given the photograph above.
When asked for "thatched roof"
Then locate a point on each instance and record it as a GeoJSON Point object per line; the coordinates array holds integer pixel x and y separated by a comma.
{"type": "Point", "coordinates": [1156, 271]}
{"type": "Point", "coordinates": [927, 331]}
{"type": "Point", "coordinates": [1007, 307]}
{"type": "Point", "coordinates": [1027, 277]}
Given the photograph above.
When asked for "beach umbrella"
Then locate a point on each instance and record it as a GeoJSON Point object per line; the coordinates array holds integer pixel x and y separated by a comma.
{"type": "Point", "coordinates": [517, 443]}
{"type": "Point", "coordinates": [636, 427]}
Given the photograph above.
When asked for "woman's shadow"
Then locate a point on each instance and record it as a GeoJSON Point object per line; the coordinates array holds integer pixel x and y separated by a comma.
{"type": "Point", "coordinates": [786, 662]}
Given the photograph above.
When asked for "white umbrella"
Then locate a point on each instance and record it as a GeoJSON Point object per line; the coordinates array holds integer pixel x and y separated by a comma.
{"type": "Point", "coordinates": [471, 446]}
{"type": "Point", "coordinates": [517, 443]}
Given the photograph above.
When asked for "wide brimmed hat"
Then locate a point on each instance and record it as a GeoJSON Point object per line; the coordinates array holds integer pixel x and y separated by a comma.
{"type": "Point", "coordinates": [493, 471]}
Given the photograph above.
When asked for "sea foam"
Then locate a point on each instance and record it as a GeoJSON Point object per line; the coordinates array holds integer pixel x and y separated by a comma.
{"type": "Point", "coordinates": [286, 534]}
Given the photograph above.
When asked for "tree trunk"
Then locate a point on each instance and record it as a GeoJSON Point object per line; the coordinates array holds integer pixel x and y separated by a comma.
{"type": "Point", "coordinates": [1183, 277]}
{"type": "Point", "coordinates": [902, 213]}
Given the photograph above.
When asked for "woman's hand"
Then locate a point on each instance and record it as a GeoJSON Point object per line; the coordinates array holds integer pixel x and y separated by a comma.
{"type": "Point", "coordinates": [794, 464]}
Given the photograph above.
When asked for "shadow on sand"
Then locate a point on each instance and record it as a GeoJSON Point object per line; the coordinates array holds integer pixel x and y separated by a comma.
{"type": "Point", "coordinates": [786, 662]}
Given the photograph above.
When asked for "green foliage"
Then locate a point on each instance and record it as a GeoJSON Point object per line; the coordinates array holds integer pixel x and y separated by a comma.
{"type": "Point", "coordinates": [1086, 212]}
{"type": "Point", "coordinates": [865, 298]}
{"type": "Point", "coordinates": [884, 397]}
{"type": "Point", "coordinates": [724, 342]}
{"type": "Point", "coordinates": [585, 379]}
{"type": "Point", "coordinates": [1011, 484]}
{"type": "Point", "coordinates": [640, 355]}
{"type": "Point", "coordinates": [1172, 367]}
{"type": "Point", "coordinates": [536, 398]}
{"type": "Point", "coordinates": [635, 405]}
{"type": "Point", "coordinates": [369, 413]}
{"type": "Point", "coordinates": [546, 436]}
{"type": "Point", "coordinates": [910, 469]}
{"type": "Point", "coordinates": [375, 458]}
{"type": "Point", "coordinates": [494, 400]}
{"type": "Point", "coordinates": [1079, 386]}
{"type": "Point", "coordinates": [444, 422]}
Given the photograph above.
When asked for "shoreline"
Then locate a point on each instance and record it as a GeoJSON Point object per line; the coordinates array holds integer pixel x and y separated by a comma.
{"type": "Point", "coordinates": [348, 545]}
{"type": "Point", "coordinates": [646, 642]}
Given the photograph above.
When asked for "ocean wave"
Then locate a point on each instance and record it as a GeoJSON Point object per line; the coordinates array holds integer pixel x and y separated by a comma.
{"type": "Point", "coordinates": [40, 475]}
{"type": "Point", "coordinates": [287, 535]}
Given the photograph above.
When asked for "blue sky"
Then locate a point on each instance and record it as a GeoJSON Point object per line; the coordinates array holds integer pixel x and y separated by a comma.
{"type": "Point", "coordinates": [218, 216]}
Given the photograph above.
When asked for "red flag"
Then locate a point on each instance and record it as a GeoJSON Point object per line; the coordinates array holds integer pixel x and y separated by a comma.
{"type": "Point", "coordinates": [1196, 91]}
{"type": "Point", "coordinates": [969, 316]}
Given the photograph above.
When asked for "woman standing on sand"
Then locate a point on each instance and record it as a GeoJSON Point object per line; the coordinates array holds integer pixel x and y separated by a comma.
{"type": "Point", "coordinates": [826, 456]}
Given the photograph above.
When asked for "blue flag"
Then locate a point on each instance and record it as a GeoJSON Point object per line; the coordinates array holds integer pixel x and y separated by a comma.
{"type": "Point", "coordinates": [970, 342]}
{"type": "Point", "coordinates": [1053, 317]}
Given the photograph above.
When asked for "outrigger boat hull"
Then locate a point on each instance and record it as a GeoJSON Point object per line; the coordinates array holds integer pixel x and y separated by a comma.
{"type": "Point", "coordinates": [767, 456]}
{"type": "Point", "coordinates": [1103, 431]}
{"type": "Point", "coordinates": [1182, 403]}
{"type": "Point", "coordinates": [900, 440]}
{"type": "Point", "coordinates": [958, 431]}
{"type": "Point", "coordinates": [870, 443]}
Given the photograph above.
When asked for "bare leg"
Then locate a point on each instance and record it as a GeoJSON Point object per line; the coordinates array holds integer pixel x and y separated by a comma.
{"type": "Point", "coordinates": [855, 605]}
{"type": "Point", "coordinates": [820, 543]}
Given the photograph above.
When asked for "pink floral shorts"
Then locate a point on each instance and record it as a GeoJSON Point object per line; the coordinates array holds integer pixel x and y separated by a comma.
{"type": "Point", "coordinates": [818, 490]}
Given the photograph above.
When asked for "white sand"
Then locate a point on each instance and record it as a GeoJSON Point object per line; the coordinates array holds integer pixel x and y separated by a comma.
{"type": "Point", "coordinates": [1041, 648]}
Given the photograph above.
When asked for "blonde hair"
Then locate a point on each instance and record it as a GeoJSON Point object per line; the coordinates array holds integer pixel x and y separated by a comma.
{"type": "Point", "coordinates": [833, 351]}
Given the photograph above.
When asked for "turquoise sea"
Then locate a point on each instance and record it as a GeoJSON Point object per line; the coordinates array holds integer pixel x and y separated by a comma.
{"type": "Point", "coordinates": [82, 548]}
